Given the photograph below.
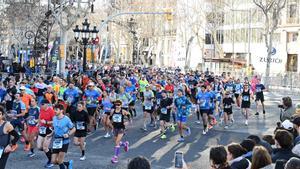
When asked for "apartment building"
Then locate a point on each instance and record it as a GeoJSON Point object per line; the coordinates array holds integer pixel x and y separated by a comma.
{"type": "Point", "coordinates": [242, 41]}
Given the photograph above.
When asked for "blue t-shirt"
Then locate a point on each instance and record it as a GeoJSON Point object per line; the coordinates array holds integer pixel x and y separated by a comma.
{"type": "Point", "coordinates": [91, 98]}
{"type": "Point", "coordinates": [238, 88]}
{"type": "Point", "coordinates": [107, 105]}
{"type": "Point", "coordinates": [130, 91]}
{"type": "Point", "coordinates": [61, 127]}
{"type": "Point", "coordinates": [71, 96]}
{"type": "Point", "coordinates": [179, 103]}
{"type": "Point", "coordinates": [204, 99]}
{"type": "Point", "coordinates": [259, 88]}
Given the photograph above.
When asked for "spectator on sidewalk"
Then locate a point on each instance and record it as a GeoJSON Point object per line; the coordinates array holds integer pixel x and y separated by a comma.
{"type": "Point", "coordinates": [293, 163]}
{"type": "Point", "coordinates": [139, 163]}
{"type": "Point", "coordinates": [261, 142]}
{"type": "Point", "coordinates": [218, 158]}
{"type": "Point", "coordinates": [287, 109]}
{"type": "Point", "coordinates": [296, 122]}
{"type": "Point", "coordinates": [248, 145]}
{"type": "Point", "coordinates": [235, 157]}
{"type": "Point", "coordinates": [284, 144]}
{"type": "Point", "coordinates": [261, 158]}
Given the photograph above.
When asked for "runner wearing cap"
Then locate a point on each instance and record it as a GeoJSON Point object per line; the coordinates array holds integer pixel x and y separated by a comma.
{"type": "Point", "coordinates": [63, 128]}
{"type": "Point", "coordinates": [118, 121]}
{"type": "Point", "coordinates": [91, 97]}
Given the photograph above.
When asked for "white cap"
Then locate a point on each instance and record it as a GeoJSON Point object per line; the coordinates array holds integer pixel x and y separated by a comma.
{"type": "Point", "coordinates": [287, 124]}
{"type": "Point", "coordinates": [22, 88]}
{"type": "Point", "coordinates": [91, 84]}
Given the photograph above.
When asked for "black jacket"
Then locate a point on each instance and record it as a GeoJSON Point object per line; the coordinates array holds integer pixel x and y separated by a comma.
{"type": "Point", "coordinates": [240, 164]}
{"type": "Point", "coordinates": [282, 154]}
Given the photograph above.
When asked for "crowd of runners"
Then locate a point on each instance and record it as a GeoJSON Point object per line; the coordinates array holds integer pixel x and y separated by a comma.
{"type": "Point", "coordinates": [46, 112]}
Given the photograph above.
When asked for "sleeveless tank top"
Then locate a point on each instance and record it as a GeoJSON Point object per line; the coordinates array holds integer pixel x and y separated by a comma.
{"type": "Point", "coordinates": [4, 138]}
{"type": "Point", "coordinates": [118, 120]}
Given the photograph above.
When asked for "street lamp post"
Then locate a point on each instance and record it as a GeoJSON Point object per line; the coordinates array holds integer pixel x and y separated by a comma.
{"type": "Point", "coordinates": [86, 34]}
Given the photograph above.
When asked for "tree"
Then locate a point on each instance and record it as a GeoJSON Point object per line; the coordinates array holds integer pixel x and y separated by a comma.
{"type": "Point", "coordinates": [271, 10]}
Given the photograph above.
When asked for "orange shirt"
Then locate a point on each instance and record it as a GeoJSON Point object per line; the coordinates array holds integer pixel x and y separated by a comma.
{"type": "Point", "coordinates": [26, 98]}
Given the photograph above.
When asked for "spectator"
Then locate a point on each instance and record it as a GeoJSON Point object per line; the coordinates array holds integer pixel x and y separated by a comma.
{"type": "Point", "coordinates": [218, 158]}
{"type": "Point", "coordinates": [259, 142]}
{"type": "Point", "coordinates": [248, 145]}
{"type": "Point", "coordinates": [139, 163]}
{"type": "Point", "coordinates": [235, 157]}
{"type": "Point", "coordinates": [261, 158]}
{"type": "Point", "coordinates": [269, 139]}
{"type": "Point", "coordinates": [293, 163]}
{"type": "Point", "coordinates": [287, 109]}
{"type": "Point", "coordinates": [284, 143]}
{"type": "Point", "coordinates": [296, 122]}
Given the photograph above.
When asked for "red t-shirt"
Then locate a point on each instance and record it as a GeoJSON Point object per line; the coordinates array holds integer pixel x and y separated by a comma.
{"type": "Point", "coordinates": [169, 88]}
{"type": "Point", "coordinates": [47, 115]}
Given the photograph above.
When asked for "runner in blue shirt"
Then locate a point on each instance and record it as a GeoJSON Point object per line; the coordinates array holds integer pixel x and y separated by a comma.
{"type": "Point", "coordinates": [106, 108]}
{"type": "Point", "coordinates": [63, 129]}
{"type": "Point", "coordinates": [259, 92]}
{"type": "Point", "coordinates": [238, 88]}
{"type": "Point", "coordinates": [182, 106]}
{"type": "Point", "coordinates": [131, 89]}
{"type": "Point", "coordinates": [71, 96]}
{"type": "Point", "coordinates": [203, 99]}
{"type": "Point", "coordinates": [91, 97]}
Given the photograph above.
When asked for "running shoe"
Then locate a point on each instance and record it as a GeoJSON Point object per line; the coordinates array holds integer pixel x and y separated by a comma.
{"type": "Point", "coordinates": [144, 129]}
{"type": "Point", "coordinates": [163, 136]}
{"type": "Point", "coordinates": [126, 147]}
{"type": "Point", "coordinates": [31, 154]}
{"type": "Point", "coordinates": [204, 132]}
{"type": "Point", "coordinates": [197, 122]}
{"type": "Point", "coordinates": [188, 131]}
{"type": "Point", "coordinates": [70, 164]}
{"type": "Point", "coordinates": [114, 159]}
{"type": "Point", "coordinates": [82, 158]}
{"type": "Point", "coordinates": [246, 122]}
{"type": "Point", "coordinates": [48, 165]}
{"type": "Point", "coordinates": [210, 126]}
{"type": "Point", "coordinates": [214, 122]}
{"type": "Point", "coordinates": [180, 140]}
{"type": "Point", "coordinates": [256, 113]}
{"type": "Point", "coordinates": [107, 135]}
{"type": "Point", "coordinates": [27, 147]}
{"type": "Point", "coordinates": [226, 127]}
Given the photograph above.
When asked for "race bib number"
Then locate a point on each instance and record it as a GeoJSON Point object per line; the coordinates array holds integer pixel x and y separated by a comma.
{"type": "Point", "coordinates": [202, 103]}
{"type": "Point", "coordinates": [227, 106]}
{"type": "Point", "coordinates": [229, 88]}
{"type": "Point", "coordinates": [148, 107]}
{"type": "Point", "coordinates": [164, 111]}
{"type": "Point", "coordinates": [258, 90]}
{"type": "Point", "coordinates": [57, 143]}
{"type": "Point", "coordinates": [246, 98]}
{"type": "Point", "coordinates": [117, 118]}
{"type": "Point", "coordinates": [70, 99]}
{"type": "Point", "coordinates": [42, 130]}
{"type": "Point", "coordinates": [1, 151]}
{"type": "Point", "coordinates": [31, 120]}
{"type": "Point", "coordinates": [191, 86]}
{"type": "Point", "coordinates": [158, 101]}
{"type": "Point", "coordinates": [80, 125]}
{"type": "Point", "coordinates": [107, 109]}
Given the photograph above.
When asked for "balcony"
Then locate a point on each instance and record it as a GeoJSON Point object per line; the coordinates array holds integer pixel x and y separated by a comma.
{"type": "Point", "coordinates": [294, 20]}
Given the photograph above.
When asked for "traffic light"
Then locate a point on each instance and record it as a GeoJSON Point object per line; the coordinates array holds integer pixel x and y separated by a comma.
{"type": "Point", "coordinates": [88, 54]}
{"type": "Point", "coordinates": [169, 14]}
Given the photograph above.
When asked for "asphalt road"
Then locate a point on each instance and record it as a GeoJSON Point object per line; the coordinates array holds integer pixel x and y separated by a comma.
{"type": "Point", "coordinates": [160, 152]}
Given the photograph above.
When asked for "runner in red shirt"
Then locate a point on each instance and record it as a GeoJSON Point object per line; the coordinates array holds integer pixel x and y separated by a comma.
{"type": "Point", "coordinates": [169, 87]}
{"type": "Point", "coordinates": [45, 130]}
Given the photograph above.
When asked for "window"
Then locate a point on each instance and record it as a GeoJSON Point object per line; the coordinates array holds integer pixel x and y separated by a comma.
{"type": "Point", "coordinates": [145, 41]}
{"type": "Point", "coordinates": [208, 39]}
{"type": "Point", "coordinates": [292, 36]}
{"type": "Point", "coordinates": [292, 63]}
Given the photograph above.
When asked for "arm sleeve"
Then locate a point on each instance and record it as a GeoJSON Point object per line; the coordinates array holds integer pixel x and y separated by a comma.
{"type": "Point", "coordinates": [15, 135]}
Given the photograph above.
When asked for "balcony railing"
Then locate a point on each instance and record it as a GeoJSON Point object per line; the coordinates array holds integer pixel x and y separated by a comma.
{"type": "Point", "coordinates": [294, 20]}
